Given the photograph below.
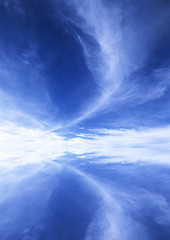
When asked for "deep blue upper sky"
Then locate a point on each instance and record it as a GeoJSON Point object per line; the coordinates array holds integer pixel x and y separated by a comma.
{"type": "Point", "coordinates": [90, 64]}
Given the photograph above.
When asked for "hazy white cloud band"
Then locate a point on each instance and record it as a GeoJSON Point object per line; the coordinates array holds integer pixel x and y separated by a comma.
{"type": "Point", "coordinates": [108, 145]}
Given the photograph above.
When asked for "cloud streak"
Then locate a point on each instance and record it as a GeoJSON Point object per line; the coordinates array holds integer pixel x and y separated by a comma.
{"type": "Point", "coordinates": [148, 145]}
{"type": "Point", "coordinates": [106, 145]}
{"type": "Point", "coordinates": [116, 49]}
{"type": "Point", "coordinates": [25, 100]}
{"type": "Point", "coordinates": [110, 221]}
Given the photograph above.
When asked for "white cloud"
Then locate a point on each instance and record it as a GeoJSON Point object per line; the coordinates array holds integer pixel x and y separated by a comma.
{"type": "Point", "coordinates": [20, 144]}
{"type": "Point", "coordinates": [148, 145]}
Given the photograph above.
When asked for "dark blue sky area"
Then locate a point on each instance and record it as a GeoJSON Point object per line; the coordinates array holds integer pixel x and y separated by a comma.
{"type": "Point", "coordinates": [39, 41]}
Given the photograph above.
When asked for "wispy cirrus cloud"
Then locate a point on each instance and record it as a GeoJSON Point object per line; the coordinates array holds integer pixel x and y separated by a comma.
{"type": "Point", "coordinates": [124, 145]}
{"type": "Point", "coordinates": [110, 219]}
{"type": "Point", "coordinates": [117, 49]}
{"type": "Point", "coordinates": [118, 42]}
{"type": "Point", "coordinates": [24, 98]}
{"type": "Point", "coordinates": [13, 6]}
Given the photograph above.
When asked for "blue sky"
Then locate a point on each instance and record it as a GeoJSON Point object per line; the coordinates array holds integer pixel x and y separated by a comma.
{"type": "Point", "coordinates": [72, 68]}
{"type": "Point", "coordinates": [84, 119]}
